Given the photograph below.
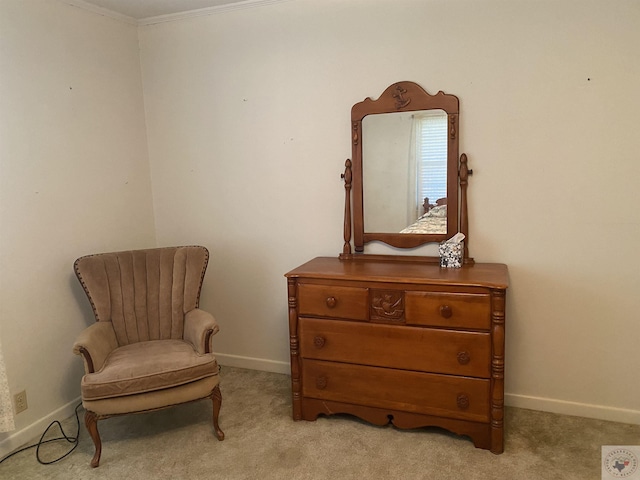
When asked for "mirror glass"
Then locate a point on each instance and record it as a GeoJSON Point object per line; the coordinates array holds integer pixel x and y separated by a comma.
{"type": "Point", "coordinates": [405, 172]}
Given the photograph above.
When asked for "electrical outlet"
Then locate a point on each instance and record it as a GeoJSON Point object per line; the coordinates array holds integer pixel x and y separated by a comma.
{"type": "Point", "coordinates": [20, 401]}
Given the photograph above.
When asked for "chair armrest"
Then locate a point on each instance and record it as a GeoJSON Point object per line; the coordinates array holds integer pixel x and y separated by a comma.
{"type": "Point", "coordinates": [95, 343]}
{"type": "Point", "coordinates": [199, 327]}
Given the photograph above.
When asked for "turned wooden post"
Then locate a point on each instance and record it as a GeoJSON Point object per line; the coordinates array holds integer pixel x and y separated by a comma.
{"type": "Point", "coordinates": [346, 249]}
{"type": "Point", "coordinates": [464, 214]}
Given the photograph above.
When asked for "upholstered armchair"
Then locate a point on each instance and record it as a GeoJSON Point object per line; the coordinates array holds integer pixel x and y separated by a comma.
{"type": "Point", "coordinates": [150, 347]}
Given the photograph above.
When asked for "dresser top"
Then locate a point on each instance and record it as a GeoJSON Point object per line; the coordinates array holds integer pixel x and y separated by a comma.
{"type": "Point", "coordinates": [492, 275]}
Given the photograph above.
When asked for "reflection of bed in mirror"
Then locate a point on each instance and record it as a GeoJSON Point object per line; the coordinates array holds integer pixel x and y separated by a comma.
{"type": "Point", "coordinates": [434, 220]}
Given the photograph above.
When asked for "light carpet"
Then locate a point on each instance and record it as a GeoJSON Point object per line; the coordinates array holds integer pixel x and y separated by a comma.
{"type": "Point", "coordinates": [263, 442]}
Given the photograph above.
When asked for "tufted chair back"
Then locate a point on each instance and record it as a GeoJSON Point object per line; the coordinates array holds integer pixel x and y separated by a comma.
{"type": "Point", "coordinates": [144, 293]}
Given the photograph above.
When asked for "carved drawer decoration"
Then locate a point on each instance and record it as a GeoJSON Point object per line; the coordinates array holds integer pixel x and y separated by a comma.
{"type": "Point", "coordinates": [387, 306]}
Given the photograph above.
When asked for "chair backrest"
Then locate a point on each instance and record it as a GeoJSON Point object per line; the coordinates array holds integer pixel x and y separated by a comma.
{"type": "Point", "coordinates": [144, 293]}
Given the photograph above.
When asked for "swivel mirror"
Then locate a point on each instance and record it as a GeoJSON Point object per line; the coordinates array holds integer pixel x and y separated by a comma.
{"type": "Point", "coordinates": [405, 172]}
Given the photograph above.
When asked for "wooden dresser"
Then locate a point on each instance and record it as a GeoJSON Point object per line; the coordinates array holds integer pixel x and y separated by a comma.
{"type": "Point", "coordinates": [399, 342]}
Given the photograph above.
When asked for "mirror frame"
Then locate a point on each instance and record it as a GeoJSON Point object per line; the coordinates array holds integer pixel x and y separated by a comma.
{"type": "Point", "coordinates": [403, 97]}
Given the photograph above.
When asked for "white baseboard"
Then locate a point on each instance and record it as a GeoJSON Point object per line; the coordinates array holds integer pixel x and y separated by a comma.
{"type": "Point", "coordinates": [575, 409]}
{"type": "Point", "coordinates": [27, 434]}
{"type": "Point", "coordinates": [251, 363]}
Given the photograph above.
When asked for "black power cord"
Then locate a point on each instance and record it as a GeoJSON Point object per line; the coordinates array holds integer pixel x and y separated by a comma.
{"type": "Point", "coordinates": [41, 442]}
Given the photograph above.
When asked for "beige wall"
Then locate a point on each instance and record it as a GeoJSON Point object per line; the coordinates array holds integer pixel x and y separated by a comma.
{"type": "Point", "coordinates": [74, 179]}
{"type": "Point", "coordinates": [248, 127]}
{"type": "Point", "coordinates": [247, 119]}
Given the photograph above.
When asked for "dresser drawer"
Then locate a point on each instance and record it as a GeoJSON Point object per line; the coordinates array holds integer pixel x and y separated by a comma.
{"type": "Point", "coordinates": [426, 393]}
{"type": "Point", "coordinates": [333, 301]}
{"type": "Point", "coordinates": [408, 348]}
{"type": "Point", "coordinates": [456, 310]}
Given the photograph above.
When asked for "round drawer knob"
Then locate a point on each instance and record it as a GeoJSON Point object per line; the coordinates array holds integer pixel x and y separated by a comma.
{"type": "Point", "coordinates": [318, 341]}
{"type": "Point", "coordinates": [445, 311]}
{"type": "Point", "coordinates": [321, 382]}
{"type": "Point", "coordinates": [462, 401]}
{"type": "Point", "coordinates": [464, 358]}
{"type": "Point", "coordinates": [331, 302]}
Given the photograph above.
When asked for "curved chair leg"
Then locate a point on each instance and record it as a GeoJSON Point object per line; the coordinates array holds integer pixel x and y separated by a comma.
{"type": "Point", "coordinates": [91, 421]}
{"type": "Point", "coordinates": [216, 397]}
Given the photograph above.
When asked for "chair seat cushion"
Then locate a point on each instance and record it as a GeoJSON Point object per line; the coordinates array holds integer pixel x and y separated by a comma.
{"type": "Point", "coordinates": [146, 367]}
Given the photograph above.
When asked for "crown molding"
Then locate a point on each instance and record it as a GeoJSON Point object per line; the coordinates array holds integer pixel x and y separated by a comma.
{"type": "Point", "coordinates": [101, 11]}
{"type": "Point", "coordinates": [202, 12]}
{"type": "Point", "coordinates": [172, 17]}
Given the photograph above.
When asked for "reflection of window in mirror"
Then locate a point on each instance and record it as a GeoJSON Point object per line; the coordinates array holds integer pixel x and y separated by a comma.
{"type": "Point", "coordinates": [430, 133]}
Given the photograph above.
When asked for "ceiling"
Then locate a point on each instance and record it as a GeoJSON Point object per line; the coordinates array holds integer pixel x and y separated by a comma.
{"type": "Point", "coordinates": [140, 9]}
